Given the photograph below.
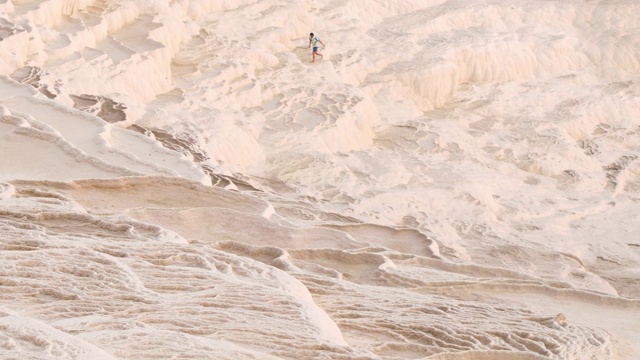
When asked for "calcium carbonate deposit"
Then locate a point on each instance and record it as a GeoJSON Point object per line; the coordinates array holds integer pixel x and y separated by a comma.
{"type": "Point", "coordinates": [453, 179]}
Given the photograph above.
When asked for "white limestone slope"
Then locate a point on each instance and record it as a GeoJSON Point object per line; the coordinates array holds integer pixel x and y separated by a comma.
{"type": "Point", "coordinates": [49, 141]}
{"type": "Point", "coordinates": [453, 180]}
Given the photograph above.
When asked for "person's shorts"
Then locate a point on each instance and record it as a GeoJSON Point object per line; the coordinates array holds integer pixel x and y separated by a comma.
{"type": "Point", "coordinates": [315, 48]}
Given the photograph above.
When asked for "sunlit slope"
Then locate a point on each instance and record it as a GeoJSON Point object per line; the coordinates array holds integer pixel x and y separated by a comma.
{"type": "Point", "coordinates": [454, 180]}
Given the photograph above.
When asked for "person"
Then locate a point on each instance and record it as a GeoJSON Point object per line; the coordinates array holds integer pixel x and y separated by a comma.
{"type": "Point", "coordinates": [313, 40]}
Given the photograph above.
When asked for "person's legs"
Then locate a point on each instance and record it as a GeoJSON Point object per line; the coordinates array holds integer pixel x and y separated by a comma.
{"type": "Point", "coordinates": [315, 52]}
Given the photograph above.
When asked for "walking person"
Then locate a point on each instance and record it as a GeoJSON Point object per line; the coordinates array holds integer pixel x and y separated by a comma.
{"type": "Point", "coordinates": [313, 40]}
